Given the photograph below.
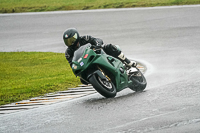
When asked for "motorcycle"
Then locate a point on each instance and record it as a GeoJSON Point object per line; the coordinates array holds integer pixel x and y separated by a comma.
{"type": "Point", "coordinates": [107, 74]}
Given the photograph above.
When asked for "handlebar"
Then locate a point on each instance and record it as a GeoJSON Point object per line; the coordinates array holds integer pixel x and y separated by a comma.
{"type": "Point", "coordinates": [96, 48]}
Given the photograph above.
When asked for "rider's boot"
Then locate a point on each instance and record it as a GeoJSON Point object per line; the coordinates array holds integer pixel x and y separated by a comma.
{"type": "Point", "coordinates": [126, 61]}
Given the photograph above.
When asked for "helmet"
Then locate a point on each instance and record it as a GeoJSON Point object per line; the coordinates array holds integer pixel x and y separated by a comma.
{"type": "Point", "coordinates": [71, 37]}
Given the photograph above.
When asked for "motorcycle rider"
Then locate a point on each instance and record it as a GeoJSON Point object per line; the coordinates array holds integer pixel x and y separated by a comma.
{"type": "Point", "coordinates": [73, 41]}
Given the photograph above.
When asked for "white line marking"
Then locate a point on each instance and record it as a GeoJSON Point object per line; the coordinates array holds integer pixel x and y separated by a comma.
{"type": "Point", "coordinates": [98, 10]}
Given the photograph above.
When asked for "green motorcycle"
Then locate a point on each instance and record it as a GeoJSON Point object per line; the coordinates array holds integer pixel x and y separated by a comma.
{"type": "Point", "coordinates": [108, 75]}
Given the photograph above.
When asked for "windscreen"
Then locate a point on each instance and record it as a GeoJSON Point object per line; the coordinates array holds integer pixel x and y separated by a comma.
{"type": "Point", "coordinates": [79, 52]}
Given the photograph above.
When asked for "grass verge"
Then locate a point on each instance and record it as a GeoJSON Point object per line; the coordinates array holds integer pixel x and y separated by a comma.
{"type": "Point", "coordinates": [29, 74]}
{"type": "Point", "coordinates": [11, 6]}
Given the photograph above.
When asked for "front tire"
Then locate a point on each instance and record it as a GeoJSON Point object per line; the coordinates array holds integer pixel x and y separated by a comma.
{"type": "Point", "coordinates": [104, 87]}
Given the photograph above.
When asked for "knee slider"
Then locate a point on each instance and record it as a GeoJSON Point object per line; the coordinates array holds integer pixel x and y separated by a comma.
{"type": "Point", "coordinates": [121, 56]}
{"type": "Point", "coordinates": [111, 50]}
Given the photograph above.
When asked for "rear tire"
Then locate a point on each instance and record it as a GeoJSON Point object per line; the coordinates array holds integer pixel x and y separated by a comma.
{"type": "Point", "coordinates": [104, 87]}
{"type": "Point", "coordinates": [139, 81]}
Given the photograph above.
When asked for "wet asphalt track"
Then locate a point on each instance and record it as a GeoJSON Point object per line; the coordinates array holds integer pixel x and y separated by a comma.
{"type": "Point", "coordinates": [165, 39]}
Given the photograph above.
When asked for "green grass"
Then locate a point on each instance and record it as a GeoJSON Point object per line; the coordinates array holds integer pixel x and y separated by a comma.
{"type": "Point", "coordinates": [8, 6]}
{"type": "Point", "coordinates": [29, 74]}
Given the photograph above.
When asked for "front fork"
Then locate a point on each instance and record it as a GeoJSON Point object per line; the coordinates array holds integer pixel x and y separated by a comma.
{"type": "Point", "coordinates": [104, 74]}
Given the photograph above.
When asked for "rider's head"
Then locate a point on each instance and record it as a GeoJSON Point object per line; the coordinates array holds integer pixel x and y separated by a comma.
{"type": "Point", "coordinates": [71, 37]}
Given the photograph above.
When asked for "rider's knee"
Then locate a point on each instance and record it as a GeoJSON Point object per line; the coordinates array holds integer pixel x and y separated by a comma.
{"type": "Point", "coordinates": [111, 50]}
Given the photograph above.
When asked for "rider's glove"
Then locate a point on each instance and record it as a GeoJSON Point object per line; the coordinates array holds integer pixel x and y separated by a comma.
{"type": "Point", "coordinates": [98, 47]}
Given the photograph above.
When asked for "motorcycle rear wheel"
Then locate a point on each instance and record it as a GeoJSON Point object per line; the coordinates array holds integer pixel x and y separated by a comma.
{"type": "Point", "coordinates": [139, 81]}
{"type": "Point", "coordinates": [104, 87]}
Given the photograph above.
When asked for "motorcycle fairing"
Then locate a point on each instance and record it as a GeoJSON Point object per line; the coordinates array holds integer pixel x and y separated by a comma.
{"type": "Point", "coordinates": [83, 66]}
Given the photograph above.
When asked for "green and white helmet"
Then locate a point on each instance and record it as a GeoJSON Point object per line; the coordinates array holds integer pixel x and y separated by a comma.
{"type": "Point", "coordinates": [71, 37]}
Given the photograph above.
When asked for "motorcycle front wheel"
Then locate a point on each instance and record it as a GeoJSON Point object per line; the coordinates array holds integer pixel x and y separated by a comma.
{"type": "Point", "coordinates": [104, 87]}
